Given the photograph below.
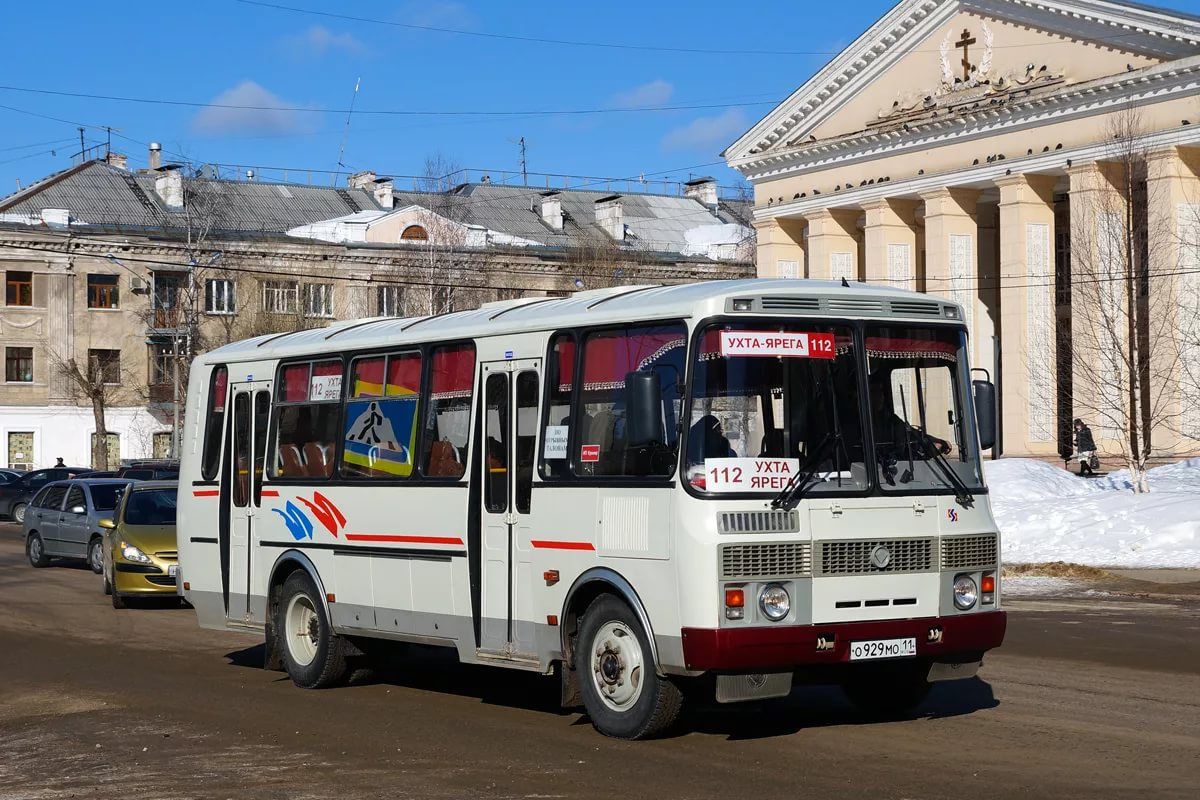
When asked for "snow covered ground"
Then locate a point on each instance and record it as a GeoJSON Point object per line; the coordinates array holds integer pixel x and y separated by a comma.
{"type": "Point", "coordinates": [1048, 514]}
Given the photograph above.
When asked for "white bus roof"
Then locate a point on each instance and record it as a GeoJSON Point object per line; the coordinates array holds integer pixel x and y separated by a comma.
{"type": "Point", "coordinates": [769, 297]}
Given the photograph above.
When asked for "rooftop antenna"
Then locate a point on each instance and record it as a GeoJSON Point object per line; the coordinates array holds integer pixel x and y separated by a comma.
{"type": "Point", "coordinates": [345, 134]}
{"type": "Point", "coordinates": [524, 171]}
{"type": "Point", "coordinates": [82, 147]}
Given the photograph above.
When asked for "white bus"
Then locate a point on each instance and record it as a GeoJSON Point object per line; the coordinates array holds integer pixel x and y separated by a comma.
{"type": "Point", "coordinates": [720, 486]}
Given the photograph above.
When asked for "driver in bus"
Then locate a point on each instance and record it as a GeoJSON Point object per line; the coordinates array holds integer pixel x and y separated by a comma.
{"type": "Point", "coordinates": [894, 437]}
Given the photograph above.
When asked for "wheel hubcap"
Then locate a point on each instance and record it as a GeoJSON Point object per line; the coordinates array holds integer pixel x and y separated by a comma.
{"type": "Point", "coordinates": [35, 549]}
{"type": "Point", "coordinates": [95, 556]}
{"type": "Point", "coordinates": [617, 666]}
{"type": "Point", "coordinates": [303, 629]}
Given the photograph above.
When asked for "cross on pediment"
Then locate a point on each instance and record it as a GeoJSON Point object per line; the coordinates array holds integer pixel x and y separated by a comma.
{"type": "Point", "coordinates": [965, 41]}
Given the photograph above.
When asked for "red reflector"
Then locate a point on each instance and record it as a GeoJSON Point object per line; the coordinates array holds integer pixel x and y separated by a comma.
{"type": "Point", "coordinates": [331, 598]}
{"type": "Point", "coordinates": [988, 584]}
{"type": "Point", "coordinates": [552, 619]}
{"type": "Point", "coordinates": [550, 576]}
{"type": "Point", "coordinates": [735, 598]}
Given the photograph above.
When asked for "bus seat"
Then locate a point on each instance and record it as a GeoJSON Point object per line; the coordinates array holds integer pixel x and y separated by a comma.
{"type": "Point", "coordinates": [443, 461]}
{"type": "Point", "coordinates": [316, 459]}
{"type": "Point", "coordinates": [291, 464]}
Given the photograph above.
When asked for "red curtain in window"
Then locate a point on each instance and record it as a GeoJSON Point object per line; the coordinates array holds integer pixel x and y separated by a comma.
{"type": "Point", "coordinates": [404, 375]}
{"type": "Point", "coordinates": [453, 372]}
{"type": "Point", "coordinates": [907, 347]}
{"type": "Point", "coordinates": [368, 378]}
{"type": "Point", "coordinates": [295, 383]}
{"type": "Point", "coordinates": [327, 368]}
{"type": "Point", "coordinates": [609, 357]}
{"type": "Point", "coordinates": [564, 351]}
{"type": "Point", "coordinates": [220, 387]}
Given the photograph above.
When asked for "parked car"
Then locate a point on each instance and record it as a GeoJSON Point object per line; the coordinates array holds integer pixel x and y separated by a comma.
{"type": "Point", "coordinates": [63, 520]}
{"type": "Point", "coordinates": [15, 496]}
{"type": "Point", "coordinates": [9, 475]}
{"type": "Point", "coordinates": [141, 557]}
{"type": "Point", "coordinates": [150, 471]}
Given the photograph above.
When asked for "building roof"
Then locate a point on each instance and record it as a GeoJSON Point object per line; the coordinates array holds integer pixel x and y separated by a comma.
{"type": "Point", "coordinates": [598, 307]}
{"type": "Point", "coordinates": [99, 194]}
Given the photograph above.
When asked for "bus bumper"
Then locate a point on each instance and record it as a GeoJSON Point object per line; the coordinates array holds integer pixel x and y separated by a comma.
{"type": "Point", "coordinates": [763, 649]}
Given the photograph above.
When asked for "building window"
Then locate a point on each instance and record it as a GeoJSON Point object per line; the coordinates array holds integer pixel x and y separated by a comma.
{"type": "Point", "coordinates": [218, 296]}
{"type": "Point", "coordinates": [390, 301]}
{"type": "Point", "coordinates": [160, 359]}
{"type": "Point", "coordinates": [18, 364]}
{"type": "Point", "coordinates": [318, 300]}
{"type": "Point", "coordinates": [20, 450]}
{"type": "Point", "coordinates": [102, 291]}
{"type": "Point", "coordinates": [18, 288]}
{"type": "Point", "coordinates": [161, 445]}
{"type": "Point", "coordinates": [104, 365]}
{"type": "Point", "coordinates": [281, 297]}
{"type": "Point", "coordinates": [114, 452]}
{"type": "Point", "coordinates": [414, 233]}
{"type": "Point", "coordinates": [167, 290]}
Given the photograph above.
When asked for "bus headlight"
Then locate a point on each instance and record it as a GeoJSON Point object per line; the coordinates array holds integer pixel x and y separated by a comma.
{"type": "Point", "coordinates": [774, 602]}
{"type": "Point", "coordinates": [965, 592]}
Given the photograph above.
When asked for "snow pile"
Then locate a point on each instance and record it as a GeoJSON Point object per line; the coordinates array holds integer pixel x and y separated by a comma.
{"type": "Point", "coordinates": [1048, 514]}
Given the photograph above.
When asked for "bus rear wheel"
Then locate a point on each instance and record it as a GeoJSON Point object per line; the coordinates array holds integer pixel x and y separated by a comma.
{"type": "Point", "coordinates": [313, 655]}
{"type": "Point", "coordinates": [888, 689]}
{"type": "Point", "coordinates": [622, 691]}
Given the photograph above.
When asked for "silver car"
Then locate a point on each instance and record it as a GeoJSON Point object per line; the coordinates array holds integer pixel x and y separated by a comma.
{"type": "Point", "coordinates": [63, 518]}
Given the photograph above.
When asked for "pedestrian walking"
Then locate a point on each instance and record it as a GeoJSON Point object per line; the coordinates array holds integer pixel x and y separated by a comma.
{"type": "Point", "coordinates": [1085, 448]}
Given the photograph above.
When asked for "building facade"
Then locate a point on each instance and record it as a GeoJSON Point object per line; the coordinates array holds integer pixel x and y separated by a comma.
{"type": "Point", "coordinates": [114, 279]}
{"type": "Point", "coordinates": [974, 149]}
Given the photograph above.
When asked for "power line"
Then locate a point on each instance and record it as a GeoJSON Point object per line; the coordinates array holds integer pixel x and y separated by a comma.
{"type": "Point", "coordinates": [611, 45]}
{"type": "Point", "coordinates": [394, 112]}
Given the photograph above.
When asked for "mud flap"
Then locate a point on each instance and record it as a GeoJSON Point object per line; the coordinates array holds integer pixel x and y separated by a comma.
{"type": "Point", "coordinates": [569, 683]}
{"type": "Point", "coordinates": [940, 671]}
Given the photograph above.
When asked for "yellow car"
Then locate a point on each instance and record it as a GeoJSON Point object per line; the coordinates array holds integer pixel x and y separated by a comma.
{"type": "Point", "coordinates": [141, 557]}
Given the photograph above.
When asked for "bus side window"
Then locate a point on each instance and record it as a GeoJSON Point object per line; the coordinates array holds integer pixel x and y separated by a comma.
{"type": "Point", "coordinates": [447, 404]}
{"type": "Point", "coordinates": [308, 404]}
{"type": "Point", "coordinates": [560, 380]}
{"type": "Point", "coordinates": [214, 422]}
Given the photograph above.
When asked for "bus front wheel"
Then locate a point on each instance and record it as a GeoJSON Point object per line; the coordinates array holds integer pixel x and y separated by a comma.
{"type": "Point", "coordinates": [622, 691]}
{"type": "Point", "coordinates": [313, 655]}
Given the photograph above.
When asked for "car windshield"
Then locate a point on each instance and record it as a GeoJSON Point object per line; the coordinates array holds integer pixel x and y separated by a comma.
{"type": "Point", "coordinates": [773, 399]}
{"type": "Point", "coordinates": [921, 412]}
{"type": "Point", "coordinates": [105, 495]}
{"type": "Point", "coordinates": [151, 507]}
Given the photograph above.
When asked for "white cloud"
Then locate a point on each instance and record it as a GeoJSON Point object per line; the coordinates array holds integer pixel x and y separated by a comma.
{"type": "Point", "coordinates": [318, 41]}
{"type": "Point", "coordinates": [704, 133]}
{"type": "Point", "coordinates": [267, 113]}
{"type": "Point", "coordinates": [654, 93]}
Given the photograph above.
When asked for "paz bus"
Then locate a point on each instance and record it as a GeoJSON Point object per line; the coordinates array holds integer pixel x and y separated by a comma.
{"type": "Point", "coordinates": [718, 487]}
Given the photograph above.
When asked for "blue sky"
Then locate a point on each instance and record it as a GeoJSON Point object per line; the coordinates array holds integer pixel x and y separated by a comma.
{"type": "Point", "coordinates": [236, 53]}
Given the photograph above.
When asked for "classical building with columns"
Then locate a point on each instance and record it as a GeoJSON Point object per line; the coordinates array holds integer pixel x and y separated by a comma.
{"type": "Point", "coordinates": [956, 147]}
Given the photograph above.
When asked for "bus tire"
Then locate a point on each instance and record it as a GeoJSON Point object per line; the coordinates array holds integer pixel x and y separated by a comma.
{"type": "Point", "coordinates": [313, 655]}
{"type": "Point", "coordinates": [889, 690]}
{"type": "Point", "coordinates": [622, 691]}
{"type": "Point", "coordinates": [35, 551]}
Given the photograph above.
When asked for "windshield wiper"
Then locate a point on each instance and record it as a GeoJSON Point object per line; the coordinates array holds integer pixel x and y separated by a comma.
{"type": "Point", "coordinates": [962, 493]}
{"type": "Point", "coordinates": [803, 478]}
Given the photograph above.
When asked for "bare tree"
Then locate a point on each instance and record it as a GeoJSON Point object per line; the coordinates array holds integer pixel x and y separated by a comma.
{"type": "Point", "coordinates": [102, 383]}
{"type": "Point", "coordinates": [1126, 317]}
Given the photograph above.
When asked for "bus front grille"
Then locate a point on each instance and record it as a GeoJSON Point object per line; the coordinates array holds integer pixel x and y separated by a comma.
{"type": "Point", "coordinates": [779, 560]}
{"type": "Point", "coordinates": [759, 521]}
{"type": "Point", "coordinates": [864, 556]}
{"type": "Point", "coordinates": [969, 552]}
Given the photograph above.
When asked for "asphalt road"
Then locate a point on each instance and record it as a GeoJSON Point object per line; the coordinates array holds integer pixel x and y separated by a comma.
{"type": "Point", "coordinates": [1090, 698]}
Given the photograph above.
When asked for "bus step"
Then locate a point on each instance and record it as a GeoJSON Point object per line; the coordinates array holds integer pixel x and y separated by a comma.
{"type": "Point", "coordinates": [518, 660]}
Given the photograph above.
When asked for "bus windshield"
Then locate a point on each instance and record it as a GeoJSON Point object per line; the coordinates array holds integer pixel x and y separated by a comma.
{"type": "Point", "coordinates": [771, 400]}
{"type": "Point", "coordinates": [921, 414]}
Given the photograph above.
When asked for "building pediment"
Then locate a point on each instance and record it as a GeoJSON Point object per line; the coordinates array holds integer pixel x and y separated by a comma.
{"type": "Point", "coordinates": [927, 56]}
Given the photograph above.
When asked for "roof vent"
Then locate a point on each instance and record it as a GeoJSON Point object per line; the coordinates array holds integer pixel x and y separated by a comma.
{"type": "Point", "coordinates": [552, 211]}
{"type": "Point", "coordinates": [702, 190]}
{"type": "Point", "coordinates": [168, 185]}
{"type": "Point", "coordinates": [611, 217]}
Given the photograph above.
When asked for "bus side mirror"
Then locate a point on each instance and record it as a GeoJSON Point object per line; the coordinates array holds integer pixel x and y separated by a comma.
{"type": "Point", "coordinates": [985, 412]}
{"type": "Point", "coordinates": [643, 409]}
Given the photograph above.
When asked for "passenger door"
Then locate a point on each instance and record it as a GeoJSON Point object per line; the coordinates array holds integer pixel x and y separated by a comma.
{"type": "Point", "coordinates": [47, 517]}
{"type": "Point", "coordinates": [73, 526]}
{"type": "Point", "coordinates": [243, 475]}
{"type": "Point", "coordinates": [510, 423]}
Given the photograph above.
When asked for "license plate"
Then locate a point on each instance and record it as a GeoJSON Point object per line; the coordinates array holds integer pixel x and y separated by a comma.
{"type": "Point", "coordinates": [173, 571]}
{"type": "Point", "coordinates": [883, 648]}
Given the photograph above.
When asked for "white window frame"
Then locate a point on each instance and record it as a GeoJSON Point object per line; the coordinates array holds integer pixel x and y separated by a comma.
{"type": "Point", "coordinates": [389, 301]}
{"type": "Point", "coordinates": [222, 302]}
{"type": "Point", "coordinates": [318, 300]}
{"type": "Point", "coordinates": [281, 297]}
